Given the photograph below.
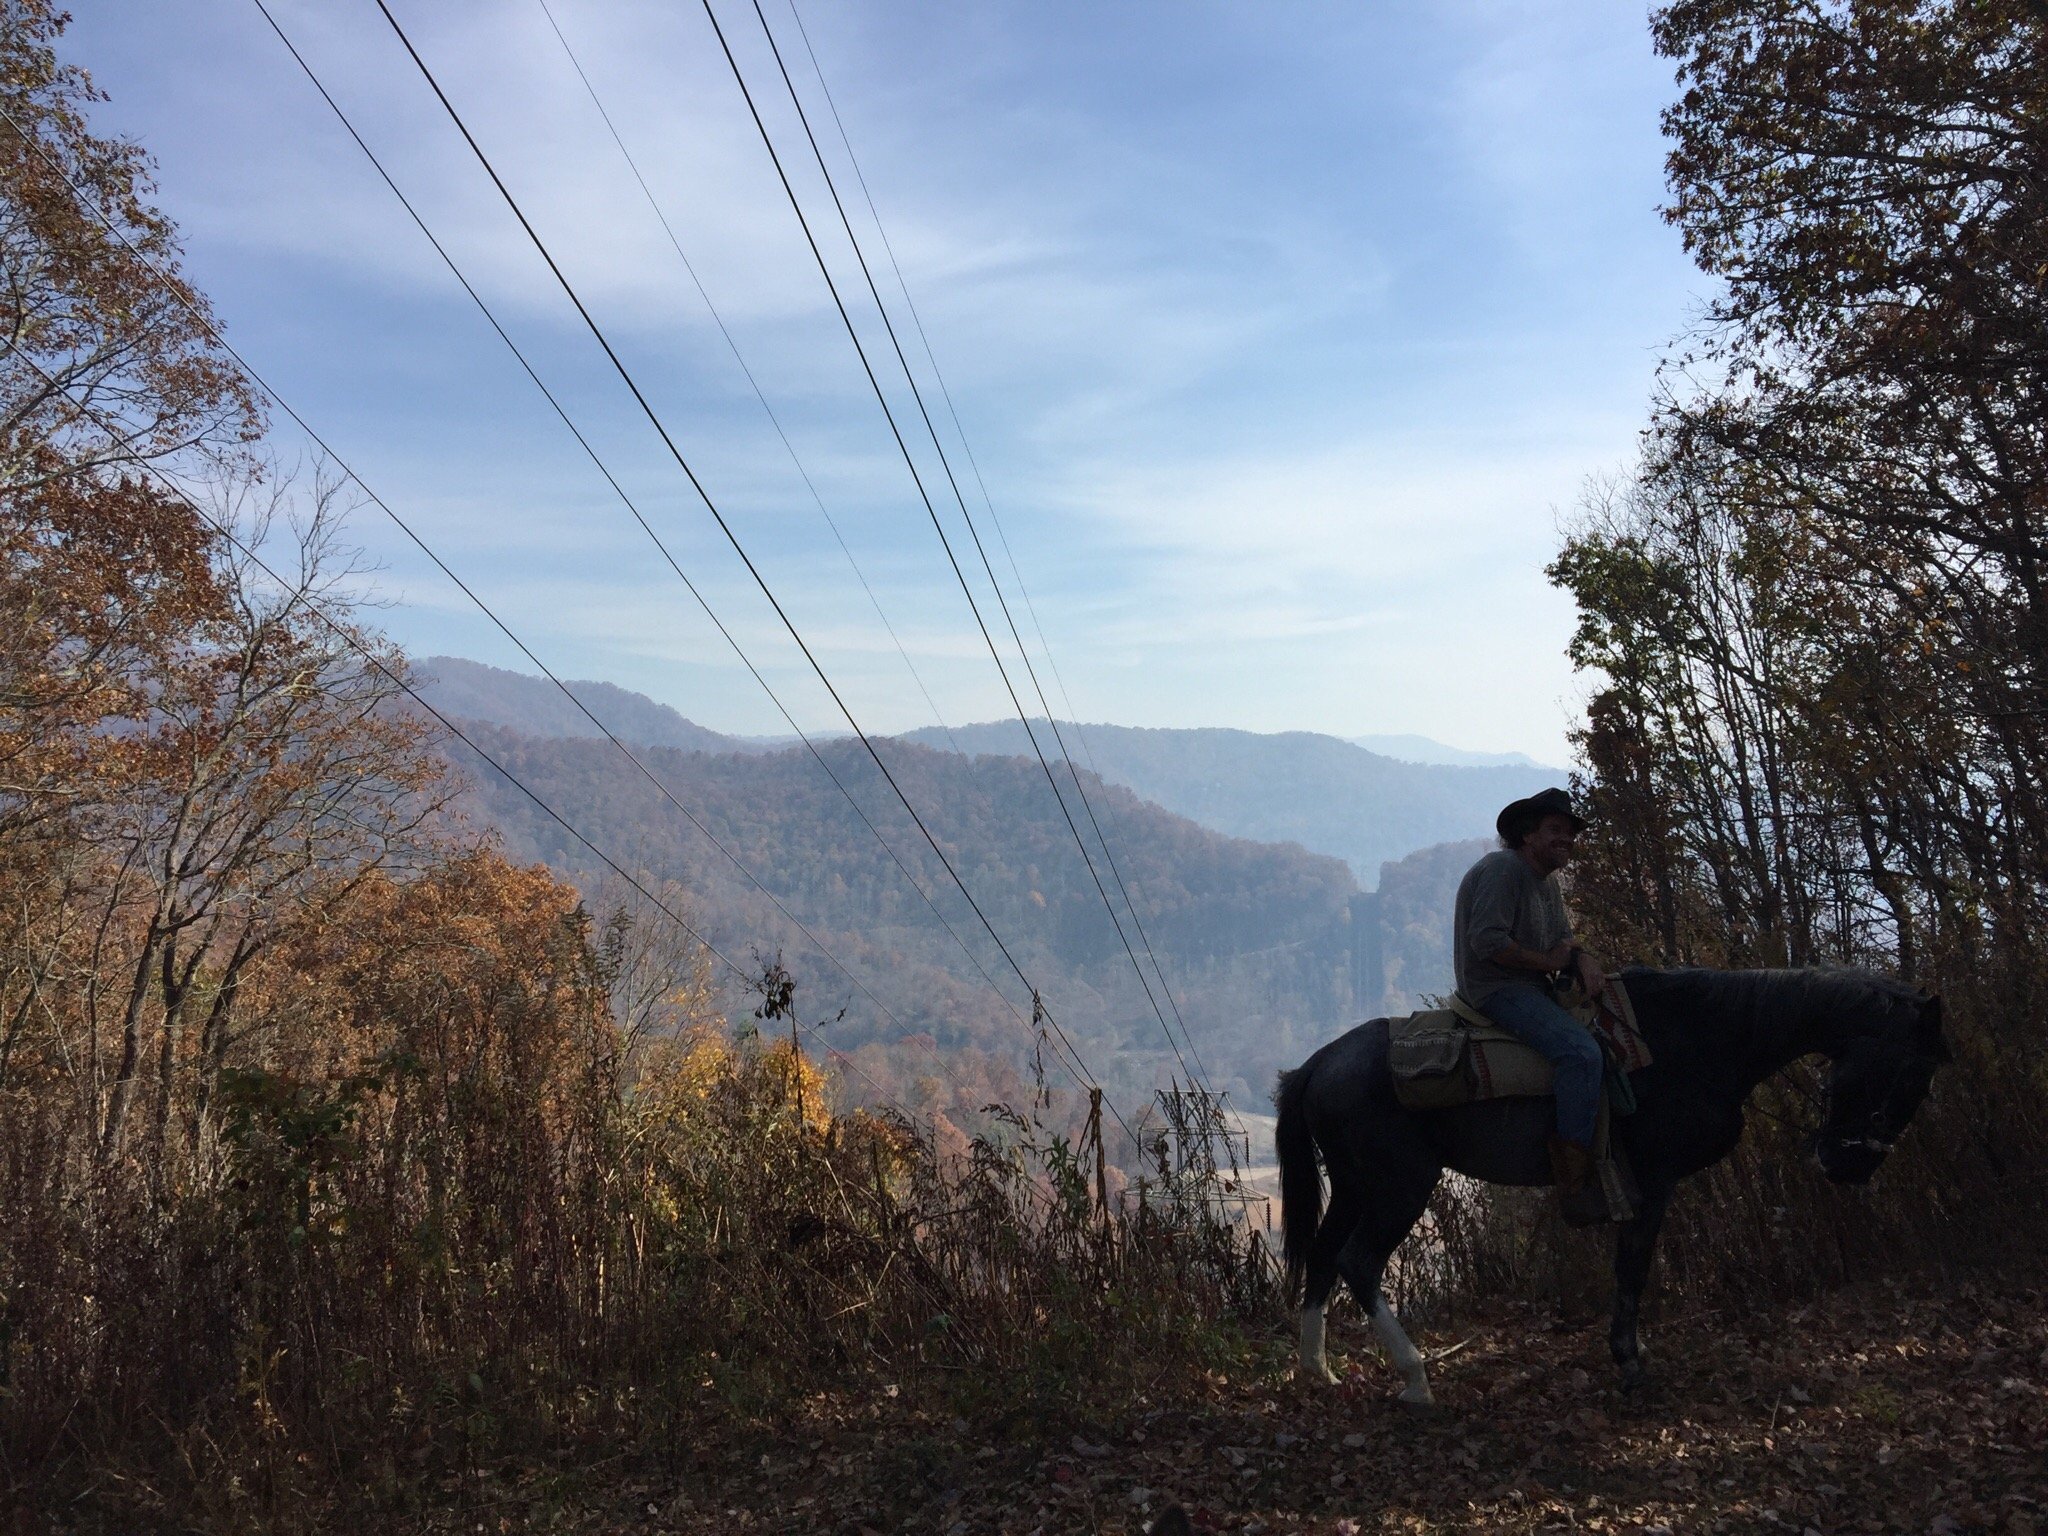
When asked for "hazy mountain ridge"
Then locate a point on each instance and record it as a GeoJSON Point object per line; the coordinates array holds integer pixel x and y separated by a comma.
{"type": "Point", "coordinates": [1254, 936]}
{"type": "Point", "coordinates": [1270, 946]}
{"type": "Point", "coordinates": [1329, 795]}
{"type": "Point", "coordinates": [534, 706]}
{"type": "Point", "coordinates": [1408, 918]}
{"type": "Point", "coordinates": [1410, 748]}
{"type": "Point", "coordinates": [1322, 792]}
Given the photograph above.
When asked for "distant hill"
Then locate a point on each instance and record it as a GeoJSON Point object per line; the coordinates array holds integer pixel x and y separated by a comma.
{"type": "Point", "coordinates": [1329, 795]}
{"type": "Point", "coordinates": [1410, 918]}
{"type": "Point", "coordinates": [1256, 938]}
{"type": "Point", "coordinates": [532, 705]}
{"type": "Point", "coordinates": [1422, 749]}
{"type": "Point", "coordinates": [1226, 838]}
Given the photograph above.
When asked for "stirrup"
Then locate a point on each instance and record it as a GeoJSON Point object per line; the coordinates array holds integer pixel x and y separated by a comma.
{"type": "Point", "coordinates": [1618, 1189]}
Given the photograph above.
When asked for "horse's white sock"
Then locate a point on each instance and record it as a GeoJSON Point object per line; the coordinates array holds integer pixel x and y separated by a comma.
{"type": "Point", "coordinates": [1313, 1362]}
{"type": "Point", "coordinates": [1402, 1351]}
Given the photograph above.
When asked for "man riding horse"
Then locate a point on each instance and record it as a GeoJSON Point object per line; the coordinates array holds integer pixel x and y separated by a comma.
{"type": "Point", "coordinates": [1512, 941]}
{"type": "Point", "coordinates": [1712, 1038]}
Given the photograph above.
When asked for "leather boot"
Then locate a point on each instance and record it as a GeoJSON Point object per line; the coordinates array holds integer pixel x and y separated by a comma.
{"type": "Point", "coordinates": [1579, 1197]}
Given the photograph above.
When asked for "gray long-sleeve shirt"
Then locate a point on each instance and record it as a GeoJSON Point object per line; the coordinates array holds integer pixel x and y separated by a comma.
{"type": "Point", "coordinates": [1502, 902]}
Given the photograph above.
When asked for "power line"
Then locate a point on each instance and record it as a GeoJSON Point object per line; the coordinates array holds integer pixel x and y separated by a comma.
{"type": "Point", "coordinates": [355, 642]}
{"type": "Point", "coordinates": [1081, 1068]}
{"type": "Point", "coordinates": [633, 508]}
{"type": "Point", "coordinates": [753, 383]}
{"type": "Point", "coordinates": [988, 501]}
{"type": "Point", "coordinates": [412, 534]}
{"type": "Point", "coordinates": [711, 506]}
{"type": "Point", "coordinates": [740, 78]}
{"type": "Point", "coordinates": [988, 569]}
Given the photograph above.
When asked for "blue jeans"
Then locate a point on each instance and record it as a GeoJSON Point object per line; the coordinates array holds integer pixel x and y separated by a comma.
{"type": "Point", "coordinates": [1530, 1016]}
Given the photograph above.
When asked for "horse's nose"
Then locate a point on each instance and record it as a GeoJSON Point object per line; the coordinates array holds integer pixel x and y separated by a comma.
{"type": "Point", "coordinates": [1850, 1162]}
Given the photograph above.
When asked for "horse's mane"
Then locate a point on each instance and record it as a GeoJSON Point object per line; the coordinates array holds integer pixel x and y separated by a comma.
{"type": "Point", "coordinates": [1828, 992]}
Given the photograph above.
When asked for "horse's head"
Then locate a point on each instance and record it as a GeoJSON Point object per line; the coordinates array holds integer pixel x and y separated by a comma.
{"type": "Point", "coordinates": [1881, 1073]}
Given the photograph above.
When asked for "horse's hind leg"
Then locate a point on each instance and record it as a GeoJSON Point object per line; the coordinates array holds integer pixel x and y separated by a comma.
{"type": "Point", "coordinates": [1363, 1261]}
{"type": "Point", "coordinates": [1331, 1234]}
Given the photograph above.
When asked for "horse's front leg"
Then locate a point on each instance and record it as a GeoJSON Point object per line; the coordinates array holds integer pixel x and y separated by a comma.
{"type": "Point", "coordinates": [1633, 1245]}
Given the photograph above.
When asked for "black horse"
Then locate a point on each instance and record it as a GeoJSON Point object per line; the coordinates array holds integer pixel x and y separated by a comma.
{"type": "Point", "coordinates": [1713, 1037]}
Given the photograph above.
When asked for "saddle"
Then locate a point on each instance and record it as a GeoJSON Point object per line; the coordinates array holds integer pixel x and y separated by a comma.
{"type": "Point", "coordinates": [1456, 1055]}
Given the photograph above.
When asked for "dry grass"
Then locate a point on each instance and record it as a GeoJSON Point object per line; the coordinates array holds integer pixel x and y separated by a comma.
{"type": "Point", "coordinates": [389, 1291]}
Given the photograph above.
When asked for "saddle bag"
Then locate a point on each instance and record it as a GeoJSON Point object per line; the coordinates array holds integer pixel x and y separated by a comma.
{"type": "Point", "coordinates": [1430, 1055]}
{"type": "Point", "coordinates": [1448, 1056]}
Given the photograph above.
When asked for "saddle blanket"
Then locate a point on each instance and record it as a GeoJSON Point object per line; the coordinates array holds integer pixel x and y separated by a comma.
{"type": "Point", "coordinates": [1456, 1055]}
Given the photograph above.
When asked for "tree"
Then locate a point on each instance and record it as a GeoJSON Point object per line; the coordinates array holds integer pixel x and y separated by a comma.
{"type": "Point", "coordinates": [108, 351]}
{"type": "Point", "coordinates": [100, 583]}
{"type": "Point", "coordinates": [1739, 817]}
{"type": "Point", "coordinates": [271, 774]}
{"type": "Point", "coordinates": [1869, 180]}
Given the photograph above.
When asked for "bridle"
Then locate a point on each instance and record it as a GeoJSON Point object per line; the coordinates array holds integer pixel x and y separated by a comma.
{"type": "Point", "coordinates": [1879, 1132]}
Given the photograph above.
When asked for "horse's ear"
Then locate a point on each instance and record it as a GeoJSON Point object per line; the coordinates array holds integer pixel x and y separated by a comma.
{"type": "Point", "coordinates": [1930, 1036]}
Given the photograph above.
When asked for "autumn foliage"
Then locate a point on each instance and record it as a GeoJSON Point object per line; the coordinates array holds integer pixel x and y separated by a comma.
{"type": "Point", "coordinates": [344, 1162]}
{"type": "Point", "coordinates": [1814, 613]}
{"type": "Point", "coordinates": [339, 1155]}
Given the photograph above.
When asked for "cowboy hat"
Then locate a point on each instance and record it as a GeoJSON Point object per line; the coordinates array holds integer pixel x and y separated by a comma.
{"type": "Point", "coordinates": [1519, 817]}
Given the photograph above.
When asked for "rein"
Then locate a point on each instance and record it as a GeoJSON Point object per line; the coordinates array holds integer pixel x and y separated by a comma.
{"type": "Point", "coordinates": [1876, 1122]}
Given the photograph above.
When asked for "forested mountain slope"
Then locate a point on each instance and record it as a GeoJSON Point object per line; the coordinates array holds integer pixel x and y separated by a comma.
{"type": "Point", "coordinates": [1297, 786]}
{"type": "Point", "coordinates": [1331, 796]}
{"type": "Point", "coordinates": [474, 691]}
{"type": "Point", "coordinates": [1405, 927]}
{"type": "Point", "coordinates": [1254, 937]}
{"type": "Point", "coordinates": [1269, 948]}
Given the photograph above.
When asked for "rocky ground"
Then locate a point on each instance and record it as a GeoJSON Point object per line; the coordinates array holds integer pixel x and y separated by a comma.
{"type": "Point", "coordinates": [1919, 1408]}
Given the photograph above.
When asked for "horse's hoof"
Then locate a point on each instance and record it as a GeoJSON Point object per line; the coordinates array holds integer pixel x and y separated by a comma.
{"type": "Point", "coordinates": [1633, 1377]}
{"type": "Point", "coordinates": [1421, 1402]}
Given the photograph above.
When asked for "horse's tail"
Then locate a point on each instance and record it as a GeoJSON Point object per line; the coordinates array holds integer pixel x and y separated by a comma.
{"type": "Point", "coordinates": [1301, 1186]}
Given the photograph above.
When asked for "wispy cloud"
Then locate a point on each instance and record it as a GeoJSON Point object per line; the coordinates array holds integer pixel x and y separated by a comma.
{"type": "Point", "coordinates": [1280, 334]}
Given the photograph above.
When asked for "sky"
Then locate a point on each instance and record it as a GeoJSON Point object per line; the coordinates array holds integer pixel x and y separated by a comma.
{"type": "Point", "coordinates": [1284, 337]}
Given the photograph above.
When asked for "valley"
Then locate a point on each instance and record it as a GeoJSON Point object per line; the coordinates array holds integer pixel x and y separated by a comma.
{"type": "Point", "coordinates": [1243, 854]}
